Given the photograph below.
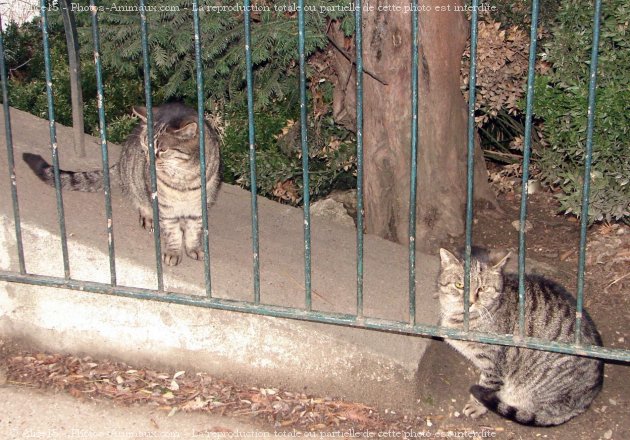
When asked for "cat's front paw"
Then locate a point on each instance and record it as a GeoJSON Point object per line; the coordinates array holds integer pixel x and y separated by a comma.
{"type": "Point", "coordinates": [474, 408]}
{"type": "Point", "coordinates": [195, 254]}
{"type": "Point", "coordinates": [172, 258]}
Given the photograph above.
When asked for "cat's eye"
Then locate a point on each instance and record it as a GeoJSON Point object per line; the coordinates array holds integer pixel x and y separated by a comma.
{"type": "Point", "coordinates": [459, 285]}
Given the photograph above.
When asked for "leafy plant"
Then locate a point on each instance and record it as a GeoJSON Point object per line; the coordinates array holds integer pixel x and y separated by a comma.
{"type": "Point", "coordinates": [502, 66]}
{"type": "Point", "coordinates": [274, 36]}
{"type": "Point", "coordinates": [561, 100]}
{"type": "Point", "coordinates": [279, 171]}
{"type": "Point", "coordinates": [518, 12]}
{"type": "Point", "coordinates": [27, 86]}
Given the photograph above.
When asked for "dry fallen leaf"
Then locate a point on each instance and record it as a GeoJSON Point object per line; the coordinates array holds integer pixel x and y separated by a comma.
{"type": "Point", "coordinates": [87, 378]}
{"type": "Point", "coordinates": [286, 190]}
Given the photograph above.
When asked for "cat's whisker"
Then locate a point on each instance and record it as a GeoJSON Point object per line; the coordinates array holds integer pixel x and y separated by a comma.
{"type": "Point", "coordinates": [484, 312]}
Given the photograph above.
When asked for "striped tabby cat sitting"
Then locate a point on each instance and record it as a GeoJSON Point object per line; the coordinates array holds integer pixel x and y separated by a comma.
{"type": "Point", "coordinates": [176, 144]}
{"type": "Point", "coordinates": [528, 386]}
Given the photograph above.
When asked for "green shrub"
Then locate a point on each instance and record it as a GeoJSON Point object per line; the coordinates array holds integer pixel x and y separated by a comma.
{"type": "Point", "coordinates": [27, 85]}
{"type": "Point", "coordinates": [173, 77]}
{"type": "Point", "coordinates": [561, 101]}
{"type": "Point", "coordinates": [518, 12]}
{"type": "Point", "coordinates": [278, 155]}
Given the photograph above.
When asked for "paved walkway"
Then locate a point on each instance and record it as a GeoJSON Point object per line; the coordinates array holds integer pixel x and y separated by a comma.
{"type": "Point", "coordinates": [27, 413]}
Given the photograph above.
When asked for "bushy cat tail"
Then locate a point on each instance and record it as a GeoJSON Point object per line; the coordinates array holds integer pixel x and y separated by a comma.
{"type": "Point", "coordinates": [491, 400]}
{"type": "Point", "coordinates": [87, 181]}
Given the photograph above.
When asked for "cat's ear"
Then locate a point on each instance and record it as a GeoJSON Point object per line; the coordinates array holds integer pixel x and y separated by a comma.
{"type": "Point", "coordinates": [140, 112]}
{"type": "Point", "coordinates": [448, 259]}
{"type": "Point", "coordinates": [499, 259]}
{"type": "Point", "coordinates": [188, 131]}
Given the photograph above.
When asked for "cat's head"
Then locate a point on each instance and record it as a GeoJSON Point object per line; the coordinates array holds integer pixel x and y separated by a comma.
{"type": "Point", "coordinates": [486, 282]}
{"type": "Point", "coordinates": [175, 132]}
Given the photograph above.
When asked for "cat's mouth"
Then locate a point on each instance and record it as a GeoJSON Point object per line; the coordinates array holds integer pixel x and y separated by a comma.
{"type": "Point", "coordinates": [164, 168]}
{"type": "Point", "coordinates": [470, 312]}
{"type": "Point", "coordinates": [475, 312]}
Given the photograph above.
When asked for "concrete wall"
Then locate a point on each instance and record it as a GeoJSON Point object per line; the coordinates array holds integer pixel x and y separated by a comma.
{"type": "Point", "coordinates": [375, 367]}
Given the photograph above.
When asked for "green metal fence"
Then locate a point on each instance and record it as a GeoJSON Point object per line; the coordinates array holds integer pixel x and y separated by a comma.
{"type": "Point", "coordinates": [357, 319]}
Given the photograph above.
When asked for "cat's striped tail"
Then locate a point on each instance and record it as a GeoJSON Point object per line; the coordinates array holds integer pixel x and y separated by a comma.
{"type": "Point", "coordinates": [491, 400]}
{"type": "Point", "coordinates": [87, 181]}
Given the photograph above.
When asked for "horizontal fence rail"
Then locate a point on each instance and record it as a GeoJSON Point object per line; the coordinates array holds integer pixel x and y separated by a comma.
{"type": "Point", "coordinates": [350, 320]}
{"type": "Point", "coordinates": [358, 319]}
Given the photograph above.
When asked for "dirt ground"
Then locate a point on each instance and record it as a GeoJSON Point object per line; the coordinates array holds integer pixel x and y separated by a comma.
{"type": "Point", "coordinates": [552, 246]}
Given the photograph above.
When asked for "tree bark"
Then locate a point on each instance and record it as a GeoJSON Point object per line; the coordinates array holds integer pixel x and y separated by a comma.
{"type": "Point", "coordinates": [442, 113]}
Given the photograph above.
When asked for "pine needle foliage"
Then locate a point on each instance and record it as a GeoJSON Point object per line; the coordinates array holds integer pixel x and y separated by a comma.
{"type": "Point", "coordinates": [274, 52]}
{"type": "Point", "coordinates": [274, 36]}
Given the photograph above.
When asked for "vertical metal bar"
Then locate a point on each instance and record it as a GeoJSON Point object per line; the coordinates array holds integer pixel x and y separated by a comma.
{"type": "Point", "coordinates": [10, 157]}
{"type": "Point", "coordinates": [104, 150]}
{"type": "Point", "coordinates": [252, 150]}
{"type": "Point", "coordinates": [414, 163]}
{"type": "Point", "coordinates": [202, 149]}
{"type": "Point", "coordinates": [305, 173]}
{"type": "Point", "coordinates": [150, 140]}
{"type": "Point", "coordinates": [53, 141]}
{"type": "Point", "coordinates": [359, 74]}
{"type": "Point", "coordinates": [470, 158]}
{"type": "Point", "coordinates": [587, 170]}
{"type": "Point", "coordinates": [522, 249]}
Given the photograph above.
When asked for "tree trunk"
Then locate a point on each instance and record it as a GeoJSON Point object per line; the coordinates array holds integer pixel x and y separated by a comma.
{"type": "Point", "coordinates": [387, 121]}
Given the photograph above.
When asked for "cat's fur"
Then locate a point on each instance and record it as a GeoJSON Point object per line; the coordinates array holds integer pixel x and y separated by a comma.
{"type": "Point", "coordinates": [176, 144]}
{"type": "Point", "coordinates": [528, 386]}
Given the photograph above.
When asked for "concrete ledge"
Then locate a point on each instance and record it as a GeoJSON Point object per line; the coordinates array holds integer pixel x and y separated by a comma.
{"type": "Point", "coordinates": [375, 367]}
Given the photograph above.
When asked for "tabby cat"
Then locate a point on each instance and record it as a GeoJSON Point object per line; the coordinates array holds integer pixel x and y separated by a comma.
{"type": "Point", "coordinates": [528, 386]}
{"type": "Point", "coordinates": [176, 144]}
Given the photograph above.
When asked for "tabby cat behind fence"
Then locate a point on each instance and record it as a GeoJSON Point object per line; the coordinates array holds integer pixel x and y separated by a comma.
{"type": "Point", "coordinates": [177, 163]}
{"type": "Point", "coordinates": [528, 386]}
